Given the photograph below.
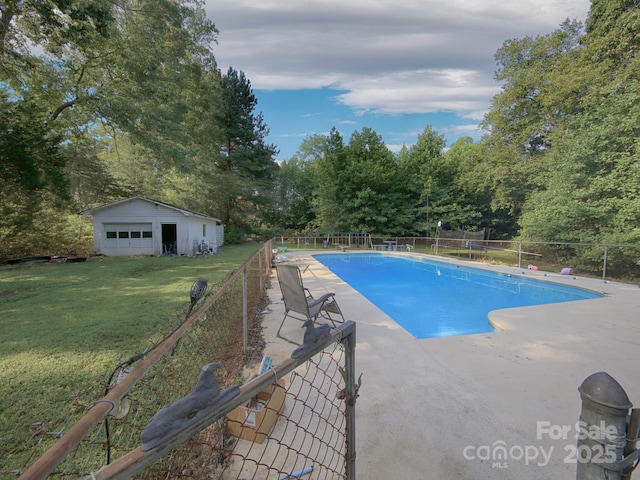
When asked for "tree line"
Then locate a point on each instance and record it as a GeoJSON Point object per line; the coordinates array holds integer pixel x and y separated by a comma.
{"type": "Point", "coordinates": [104, 99]}
{"type": "Point", "coordinates": [100, 100]}
{"type": "Point", "coordinates": [558, 160]}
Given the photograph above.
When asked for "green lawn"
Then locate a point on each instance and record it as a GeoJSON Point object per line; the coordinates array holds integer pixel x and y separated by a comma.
{"type": "Point", "coordinates": [64, 327]}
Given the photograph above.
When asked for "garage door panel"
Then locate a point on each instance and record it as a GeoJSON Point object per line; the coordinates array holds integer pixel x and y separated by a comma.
{"type": "Point", "coordinates": [128, 239]}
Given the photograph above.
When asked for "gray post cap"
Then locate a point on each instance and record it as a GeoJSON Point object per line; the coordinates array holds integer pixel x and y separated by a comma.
{"type": "Point", "coordinates": [605, 393]}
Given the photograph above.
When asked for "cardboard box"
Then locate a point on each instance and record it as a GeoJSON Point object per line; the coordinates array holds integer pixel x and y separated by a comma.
{"type": "Point", "coordinates": [254, 421]}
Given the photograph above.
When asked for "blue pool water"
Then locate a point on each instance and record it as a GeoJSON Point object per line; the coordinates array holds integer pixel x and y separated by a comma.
{"type": "Point", "coordinates": [432, 299]}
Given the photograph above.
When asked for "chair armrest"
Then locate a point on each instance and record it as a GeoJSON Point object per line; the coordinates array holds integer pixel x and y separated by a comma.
{"type": "Point", "coordinates": [327, 296]}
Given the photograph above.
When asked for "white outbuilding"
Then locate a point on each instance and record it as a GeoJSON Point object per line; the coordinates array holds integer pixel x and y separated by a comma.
{"type": "Point", "coordinates": [141, 226]}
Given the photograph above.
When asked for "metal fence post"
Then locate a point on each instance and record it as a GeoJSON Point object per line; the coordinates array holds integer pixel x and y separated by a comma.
{"type": "Point", "coordinates": [633, 429]}
{"type": "Point", "coordinates": [519, 254]}
{"type": "Point", "coordinates": [245, 323]}
{"type": "Point", "coordinates": [349, 342]}
{"type": "Point", "coordinates": [602, 430]}
{"type": "Point", "coordinates": [604, 266]}
{"type": "Point", "coordinates": [260, 273]}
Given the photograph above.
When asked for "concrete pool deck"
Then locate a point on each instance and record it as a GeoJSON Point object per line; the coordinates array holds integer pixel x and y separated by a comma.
{"type": "Point", "coordinates": [435, 408]}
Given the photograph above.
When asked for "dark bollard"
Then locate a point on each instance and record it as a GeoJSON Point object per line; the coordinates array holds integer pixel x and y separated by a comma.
{"type": "Point", "coordinates": [602, 430]}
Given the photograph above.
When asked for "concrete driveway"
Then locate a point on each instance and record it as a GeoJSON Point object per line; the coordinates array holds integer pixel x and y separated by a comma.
{"type": "Point", "coordinates": [444, 408]}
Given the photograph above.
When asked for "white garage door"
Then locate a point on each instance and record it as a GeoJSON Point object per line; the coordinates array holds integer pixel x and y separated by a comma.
{"type": "Point", "coordinates": [128, 239]}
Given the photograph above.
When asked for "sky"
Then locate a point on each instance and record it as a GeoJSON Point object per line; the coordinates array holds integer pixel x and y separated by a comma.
{"type": "Point", "coordinates": [395, 66]}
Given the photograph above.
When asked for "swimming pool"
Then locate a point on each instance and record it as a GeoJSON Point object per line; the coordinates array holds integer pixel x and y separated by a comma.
{"type": "Point", "coordinates": [434, 299]}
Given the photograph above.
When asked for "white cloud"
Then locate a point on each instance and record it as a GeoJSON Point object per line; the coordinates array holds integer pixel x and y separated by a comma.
{"type": "Point", "coordinates": [395, 148]}
{"type": "Point", "coordinates": [420, 91]}
{"type": "Point", "coordinates": [390, 56]}
{"type": "Point", "coordinates": [462, 130]}
{"type": "Point", "coordinates": [477, 115]}
{"type": "Point", "coordinates": [296, 135]}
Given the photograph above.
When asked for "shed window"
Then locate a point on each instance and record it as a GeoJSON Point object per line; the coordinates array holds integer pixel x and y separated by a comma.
{"type": "Point", "coordinates": [123, 234]}
{"type": "Point", "coordinates": [136, 234]}
{"type": "Point", "coordinates": [111, 235]}
{"type": "Point", "coordinates": [204, 229]}
{"type": "Point", "coordinates": [147, 234]}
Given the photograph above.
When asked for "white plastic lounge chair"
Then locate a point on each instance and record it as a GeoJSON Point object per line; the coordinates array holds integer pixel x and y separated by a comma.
{"type": "Point", "coordinates": [300, 304]}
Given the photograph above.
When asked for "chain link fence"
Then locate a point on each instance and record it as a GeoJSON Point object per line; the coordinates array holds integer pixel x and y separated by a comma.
{"type": "Point", "coordinates": [293, 419]}
{"type": "Point", "coordinates": [305, 423]}
{"type": "Point", "coordinates": [310, 434]}
{"type": "Point", "coordinates": [609, 262]}
{"type": "Point", "coordinates": [91, 432]}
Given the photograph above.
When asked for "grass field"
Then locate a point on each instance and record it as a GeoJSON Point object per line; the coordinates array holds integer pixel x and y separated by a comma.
{"type": "Point", "coordinates": [66, 326]}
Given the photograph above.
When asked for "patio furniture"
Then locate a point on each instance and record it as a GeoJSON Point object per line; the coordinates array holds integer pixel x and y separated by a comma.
{"type": "Point", "coordinates": [392, 245]}
{"type": "Point", "coordinates": [300, 304]}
